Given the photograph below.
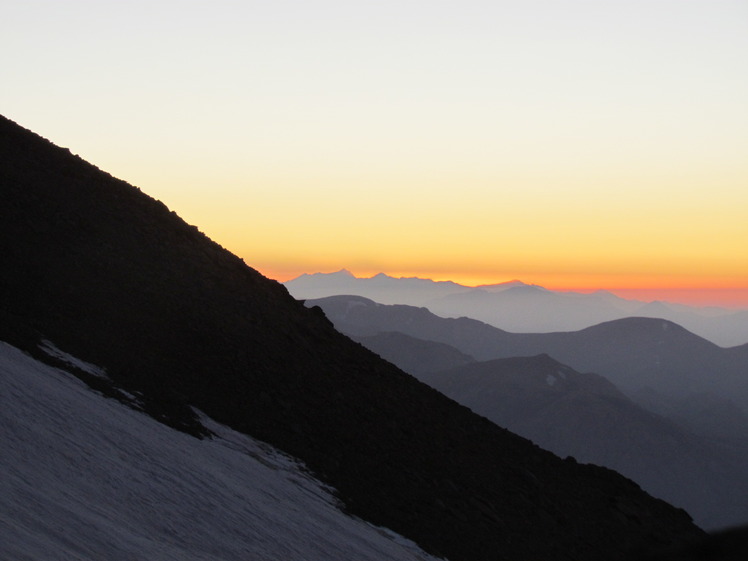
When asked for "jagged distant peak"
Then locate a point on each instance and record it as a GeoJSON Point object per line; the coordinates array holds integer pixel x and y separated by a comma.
{"type": "Point", "coordinates": [504, 285]}
{"type": "Point", "coordinates": [342, 273]}
{"type": "Point", "coordinates": [382, 276]}
{"type": "Point", "coordinates": [343, 276]}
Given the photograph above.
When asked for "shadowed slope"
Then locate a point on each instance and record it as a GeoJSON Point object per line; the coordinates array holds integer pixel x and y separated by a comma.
{"type": "Point", "coordinates": [111, 276]}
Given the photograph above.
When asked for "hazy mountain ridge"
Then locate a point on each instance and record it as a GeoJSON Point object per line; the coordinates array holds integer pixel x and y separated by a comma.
{"type": "Point", "coordinates": [591, 419]}
{"type": "Point", "coordinates": [519, 307]}
{"type": "Point", "coordinates": [633, 353]}
{"type": "Point", "coordinates": [386, 289]}
{"type": "Point", "coordinates": [115, 279]}
{"type": "Point", "coordinates": [585, 416]}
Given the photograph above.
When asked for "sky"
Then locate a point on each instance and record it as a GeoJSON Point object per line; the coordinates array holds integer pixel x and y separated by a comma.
{"type": "Point", "coordinates": [568, 143]}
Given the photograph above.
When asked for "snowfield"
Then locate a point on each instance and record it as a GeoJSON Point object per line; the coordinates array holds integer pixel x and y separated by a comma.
{"type": "Point", "coordinates": [83, 477]}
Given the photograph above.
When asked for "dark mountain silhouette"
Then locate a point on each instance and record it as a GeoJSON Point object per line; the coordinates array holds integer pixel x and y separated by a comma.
{"type": "Point", "coordinates": [518, 307]}
{"type": "Point", "coordinates": [112, 277]}
{"type": "Point", "coordinates": [729, 545]}
{"type": "Point", "coordinates": [633, 353]}
{"type": "Point", "coordinates": [585, 416]}
{"type": "Point", "coordinates": [639, 352]}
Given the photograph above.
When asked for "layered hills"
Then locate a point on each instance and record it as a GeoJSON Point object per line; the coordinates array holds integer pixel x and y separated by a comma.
{"type": "Point", "coordinates": [106, 274]}
{"type": "Point", "coordinates": [518, 307]}
{"type": "Point", "coordinates": [585, 416]}
{"type": "Point", "coordinates": [647, 355]}
{"type": "Point", "coordinates": [688, 445]}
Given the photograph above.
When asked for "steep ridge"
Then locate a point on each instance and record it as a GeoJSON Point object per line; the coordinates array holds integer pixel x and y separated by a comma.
{"type": "Point", "coordinates": [113, 277]}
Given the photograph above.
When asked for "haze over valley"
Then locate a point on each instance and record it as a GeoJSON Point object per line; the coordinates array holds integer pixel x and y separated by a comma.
{"type": "Point", "coordinates": [519, 307]}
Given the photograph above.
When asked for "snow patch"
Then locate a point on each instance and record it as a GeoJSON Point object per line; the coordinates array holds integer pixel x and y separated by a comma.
{"type": "Point", "coordinates": [84, 477]}
{"type": "Point", "coordinates": [551, 380]}
{"type": "Point", "coordinates": [352, 304]}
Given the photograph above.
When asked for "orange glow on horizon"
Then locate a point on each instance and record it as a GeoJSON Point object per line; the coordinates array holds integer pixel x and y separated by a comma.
{"type": "Point", "coordinates": [573, 148]}
{"type": "Point", "coordinates": [706, 291]}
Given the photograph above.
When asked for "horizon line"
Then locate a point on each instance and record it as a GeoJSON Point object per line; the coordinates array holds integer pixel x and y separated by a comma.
{"type": "Point", "coordinates": [733, 298]}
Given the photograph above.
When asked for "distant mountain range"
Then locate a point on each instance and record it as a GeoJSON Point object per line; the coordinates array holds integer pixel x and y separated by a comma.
{"type": "Point", "coordinates": [522, 308]}
{"type": "Point", "coordinates": [106, 283]}
{"type": "Point", "coordinates": [689, 445]}
{"type": "Point", "coordinates": [654, 360]}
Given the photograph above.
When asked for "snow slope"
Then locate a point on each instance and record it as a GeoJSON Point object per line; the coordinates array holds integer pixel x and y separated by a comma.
{"type": "Point", "coordinates": [83, 477]}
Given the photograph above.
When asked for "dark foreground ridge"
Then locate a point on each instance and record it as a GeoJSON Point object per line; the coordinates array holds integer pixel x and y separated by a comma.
{"type": "Point", "coordinates": [110, 275]}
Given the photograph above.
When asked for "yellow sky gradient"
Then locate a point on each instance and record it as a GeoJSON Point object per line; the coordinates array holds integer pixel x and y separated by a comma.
{"type": "Point", "coordinates": [575, 145]}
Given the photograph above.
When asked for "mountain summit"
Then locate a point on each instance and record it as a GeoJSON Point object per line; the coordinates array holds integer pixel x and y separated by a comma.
{"type": "Point", "coordinates": [109, 275]}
